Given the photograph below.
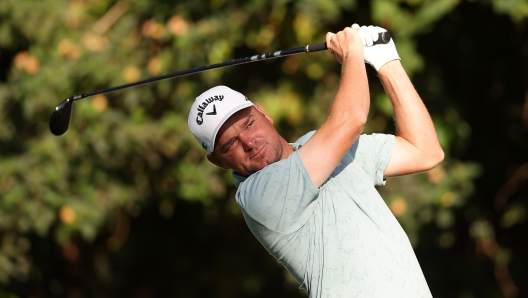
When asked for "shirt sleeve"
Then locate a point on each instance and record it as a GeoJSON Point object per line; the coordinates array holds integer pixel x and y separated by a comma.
{"type": "Point", "coordinates": [281, 196]}
{"type": "Point", "coordinates": [372, 153]}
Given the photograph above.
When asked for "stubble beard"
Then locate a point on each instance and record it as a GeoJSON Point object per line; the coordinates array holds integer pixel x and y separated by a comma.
{"type": "Point", "coordinates": [277, 148]}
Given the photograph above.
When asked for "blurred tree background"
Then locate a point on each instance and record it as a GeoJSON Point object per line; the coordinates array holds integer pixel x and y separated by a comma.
{"type": "Point", "coordinates": [126, 205]}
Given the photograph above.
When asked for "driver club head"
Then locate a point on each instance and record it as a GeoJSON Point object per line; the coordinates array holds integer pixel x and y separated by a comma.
{"type": "Point", "coordinates": [60, 119]}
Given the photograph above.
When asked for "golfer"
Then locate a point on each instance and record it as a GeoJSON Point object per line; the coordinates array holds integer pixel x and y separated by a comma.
{"type": "Point", "coordinates": [313, 203]}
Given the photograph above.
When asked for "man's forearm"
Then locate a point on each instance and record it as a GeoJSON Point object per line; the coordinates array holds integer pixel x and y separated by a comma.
{"type": "Point", "coordinates": [352, 97]}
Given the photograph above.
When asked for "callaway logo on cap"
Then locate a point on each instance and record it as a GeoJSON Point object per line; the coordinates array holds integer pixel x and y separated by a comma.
{"type": "Point", "coordinates": [211, 109]}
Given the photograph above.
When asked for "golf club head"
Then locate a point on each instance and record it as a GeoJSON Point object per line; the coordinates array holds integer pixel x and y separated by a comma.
{"type": "Point", "coordinates": [60, 119]}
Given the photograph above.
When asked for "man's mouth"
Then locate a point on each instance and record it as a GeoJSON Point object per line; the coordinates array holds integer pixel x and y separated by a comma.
{"type": "Point", "coordinates": [259, 152]}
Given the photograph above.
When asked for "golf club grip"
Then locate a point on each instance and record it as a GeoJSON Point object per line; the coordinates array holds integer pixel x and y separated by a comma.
{"type": "Point", "coordinates": [316, 47]}
{"type": "Point", "coordinates": [383, 38]}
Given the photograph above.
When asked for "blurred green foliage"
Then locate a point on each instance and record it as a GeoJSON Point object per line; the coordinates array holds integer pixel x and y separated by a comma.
{"type": "Point", "coordinates": [82, 200]}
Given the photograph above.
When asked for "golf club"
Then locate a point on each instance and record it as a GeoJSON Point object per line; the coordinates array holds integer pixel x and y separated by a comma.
{"type": "Point", "coordinates": [61, 117]}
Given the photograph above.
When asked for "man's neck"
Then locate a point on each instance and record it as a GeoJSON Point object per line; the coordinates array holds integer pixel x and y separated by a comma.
{"type": "Point", "coordinates": [287, 149]}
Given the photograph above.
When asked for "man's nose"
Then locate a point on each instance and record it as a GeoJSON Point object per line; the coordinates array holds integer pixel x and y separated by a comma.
{"type": "Point", "coordinates": [248, 142]}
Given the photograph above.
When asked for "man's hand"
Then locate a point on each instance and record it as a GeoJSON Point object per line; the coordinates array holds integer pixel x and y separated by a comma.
{"type": "Point", "coordinates": [379, 54]}
{"type": "Point", "coordinates": [345, 43]}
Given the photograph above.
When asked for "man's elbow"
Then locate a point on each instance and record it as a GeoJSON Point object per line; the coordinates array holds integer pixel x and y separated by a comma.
{"type": "Point", "coordinates": [359, 119]}
{"type": "Point", "coordinates": [435, 158]}
{"type": "Point", "coordinates": [352, 123]}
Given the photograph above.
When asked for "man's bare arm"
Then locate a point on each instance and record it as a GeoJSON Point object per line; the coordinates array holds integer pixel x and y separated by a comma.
{"type": "Point", "coordinates": [416, 147]}
{"type": "Point", "coordinates": [348, 112]}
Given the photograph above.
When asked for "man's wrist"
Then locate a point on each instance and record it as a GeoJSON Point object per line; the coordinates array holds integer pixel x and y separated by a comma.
{"type": "Point", "coordinates": [389, 67]}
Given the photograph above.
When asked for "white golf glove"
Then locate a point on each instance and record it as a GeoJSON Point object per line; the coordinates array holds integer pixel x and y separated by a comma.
{"type": "Point", "coordinates": [379, 54]}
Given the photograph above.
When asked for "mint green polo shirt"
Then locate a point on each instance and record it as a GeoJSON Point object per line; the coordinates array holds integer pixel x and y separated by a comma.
{"type": "Point", "coordinates": [339, 240]}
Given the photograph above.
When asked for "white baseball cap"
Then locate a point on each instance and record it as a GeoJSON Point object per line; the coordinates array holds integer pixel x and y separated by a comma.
{"type": "Point", "coordinates": [211, 109]}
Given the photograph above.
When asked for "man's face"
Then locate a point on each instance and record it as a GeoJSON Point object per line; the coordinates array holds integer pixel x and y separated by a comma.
{"type": "Point", "coordinates": [247, 142]}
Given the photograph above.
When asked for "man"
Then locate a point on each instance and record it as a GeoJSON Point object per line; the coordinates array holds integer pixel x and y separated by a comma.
{"type": "Point", "coordinates": [313, 204]}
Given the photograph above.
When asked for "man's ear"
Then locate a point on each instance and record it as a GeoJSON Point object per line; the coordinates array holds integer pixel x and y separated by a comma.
{"type": "Point", "coordinates": [212, 159]}
{"type": "Point", "coordinates": [261, 110]}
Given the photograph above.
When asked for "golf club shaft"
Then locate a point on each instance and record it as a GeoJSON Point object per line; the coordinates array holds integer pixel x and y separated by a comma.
{"type": "Point", "coordinates": [61, 116]}
{"type": "Point", "coordinates": [384, 37]}
{"type": "Point", "coordinates": [307, 49]}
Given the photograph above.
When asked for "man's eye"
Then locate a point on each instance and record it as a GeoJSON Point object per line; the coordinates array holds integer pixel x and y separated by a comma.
{"type": "Point", "coordinates": [251, 123]}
